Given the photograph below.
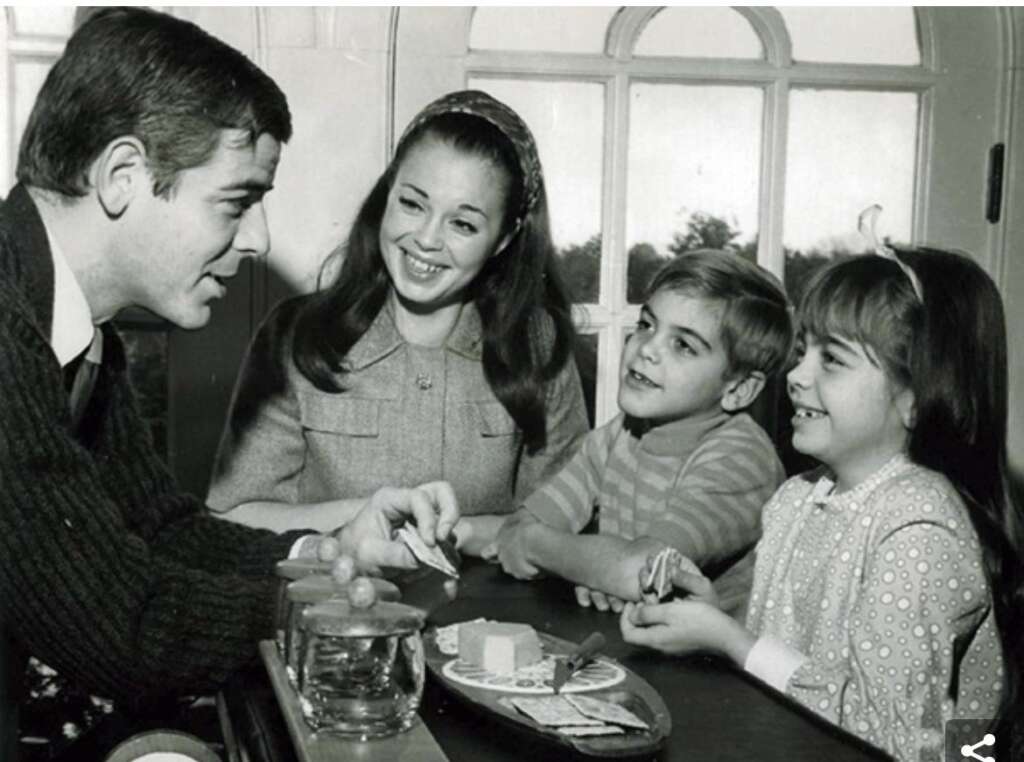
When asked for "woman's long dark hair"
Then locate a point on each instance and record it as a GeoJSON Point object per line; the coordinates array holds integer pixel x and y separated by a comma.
{"type": "Point", "coordinates": [524, 307]}
{"type": "Point", "coordinates": [950, 349]}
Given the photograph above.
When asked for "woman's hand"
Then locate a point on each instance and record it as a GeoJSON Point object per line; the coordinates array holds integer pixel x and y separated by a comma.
{"type": "Point", "coordinates": [368, 537]}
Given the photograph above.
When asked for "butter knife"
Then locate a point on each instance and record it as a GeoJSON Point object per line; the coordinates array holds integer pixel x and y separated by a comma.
{"type": "Point", "coordinates": [576, 659]}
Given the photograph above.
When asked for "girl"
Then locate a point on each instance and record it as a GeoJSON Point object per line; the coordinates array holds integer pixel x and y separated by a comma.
{"type": "Point", "coordinates": [442, 350]}
{"type": "Point", "coordinates": [887, 594]}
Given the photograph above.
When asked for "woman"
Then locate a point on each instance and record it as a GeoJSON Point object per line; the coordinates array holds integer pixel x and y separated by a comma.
{"type": "Point", "coordinates": [442, 350]}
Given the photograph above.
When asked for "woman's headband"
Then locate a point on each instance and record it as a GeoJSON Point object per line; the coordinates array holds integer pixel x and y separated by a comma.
{"type": "Point", "coordinates": [866, 222]}
{"type": "Point", "coordinates": [480, 104]}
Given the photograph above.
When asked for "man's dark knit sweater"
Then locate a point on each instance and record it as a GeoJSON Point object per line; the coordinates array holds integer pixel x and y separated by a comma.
{"type": "Point", "coordinates": [107, 572]}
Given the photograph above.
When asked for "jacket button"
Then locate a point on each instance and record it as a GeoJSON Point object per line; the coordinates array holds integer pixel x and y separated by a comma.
{"type": "Point", "coordinates": [423, 381]}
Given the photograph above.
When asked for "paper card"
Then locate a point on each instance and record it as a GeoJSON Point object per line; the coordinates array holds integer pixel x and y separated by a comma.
{"type": "Point", "coordinates": [433, 557]}
{"type": "Point", "coordinates": [659, 581]}
{"type": "Point", "coordinates": [591, 730]}
{"type": "Point", "coordinates": [606, 711]}
{"type": "Point", "coordinates": [553, 711]}
{"type": "Point", "coordinates": [652, 576]}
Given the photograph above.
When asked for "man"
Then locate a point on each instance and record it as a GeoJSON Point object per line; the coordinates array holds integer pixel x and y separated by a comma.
{"type": "Point", "coordinates": [142, 174]}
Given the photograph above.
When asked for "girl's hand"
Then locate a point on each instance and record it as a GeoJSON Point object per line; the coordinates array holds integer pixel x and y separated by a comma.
{"type": "Point", "coordinates": [696, 586]}
{"type": "Point", "coordinates": [685, 576]}
{"type": "Point", "coordinates": [685, 626]}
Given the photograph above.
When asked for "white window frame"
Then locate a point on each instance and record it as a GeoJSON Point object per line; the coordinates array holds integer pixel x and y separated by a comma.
{"type": "Point", "coordinates": [776, 73]}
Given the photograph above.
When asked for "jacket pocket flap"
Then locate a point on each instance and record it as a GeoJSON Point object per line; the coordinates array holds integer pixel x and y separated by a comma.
{"type": "Point", "coordinates": [338, 414]}
{"type": "Point", "coordinates": [495, 420]}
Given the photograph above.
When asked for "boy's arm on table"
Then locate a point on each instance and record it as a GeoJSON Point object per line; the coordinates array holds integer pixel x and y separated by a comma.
{"type": "Point", "coordinates": [476, 535]}
{"type": "Point", "coordinates": [610, 564]}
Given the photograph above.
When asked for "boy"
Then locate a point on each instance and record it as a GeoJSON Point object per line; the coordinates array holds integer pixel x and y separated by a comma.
{"type": "Point", "coordinates": [683, 466]}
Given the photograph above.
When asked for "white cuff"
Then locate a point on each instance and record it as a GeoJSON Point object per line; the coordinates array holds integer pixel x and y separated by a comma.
{"type": "Point", "coordinates": [773, 661]}
{"type": "Point", "coordinates": [296, 551]}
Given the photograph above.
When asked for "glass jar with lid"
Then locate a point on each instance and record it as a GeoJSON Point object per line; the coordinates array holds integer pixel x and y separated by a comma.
{"type": "Point", "coordinates": [361, 667]}
{"type": "Point", "coordinates": [311, 590]}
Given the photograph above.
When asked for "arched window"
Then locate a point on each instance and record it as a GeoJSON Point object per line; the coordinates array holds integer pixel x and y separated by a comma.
{"type": "Point", "coordinates": [759, 129]}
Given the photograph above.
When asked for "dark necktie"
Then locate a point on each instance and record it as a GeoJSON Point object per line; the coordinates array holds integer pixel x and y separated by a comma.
{"type": "Point", "coordinates": [84, 379]}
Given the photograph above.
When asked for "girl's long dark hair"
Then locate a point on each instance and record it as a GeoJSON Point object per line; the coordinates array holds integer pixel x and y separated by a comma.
{"type": "Point", "coordinates": [950, 349]}
{"type": "Point", "coordinates": [960, 391]}
{"type": "Point", "coordinates": [524, 307]}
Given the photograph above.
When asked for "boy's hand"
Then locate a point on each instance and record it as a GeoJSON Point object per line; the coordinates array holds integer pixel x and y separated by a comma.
{"type": "Point", "coordinates": [513, 546]}
{"type": "Point", "coordinates": [587, 597]}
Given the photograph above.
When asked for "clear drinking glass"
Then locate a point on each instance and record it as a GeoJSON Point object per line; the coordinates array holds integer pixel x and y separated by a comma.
{"type": "Point", "coordinates": [360, 670]}
{"type": "Point", "coordinates": [293, 569]}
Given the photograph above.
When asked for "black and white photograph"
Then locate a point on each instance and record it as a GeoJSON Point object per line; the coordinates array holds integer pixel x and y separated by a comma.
{"type": "Point", "coordinates": [439, 383]}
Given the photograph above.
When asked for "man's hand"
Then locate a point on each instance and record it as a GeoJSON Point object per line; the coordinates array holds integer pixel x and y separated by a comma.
{"type": "Point", "coordinates": [586, 597]}
{"type": "Point", "coordinates": [513, 545]}
{"type": "Point", "coordinates": [368, 537]}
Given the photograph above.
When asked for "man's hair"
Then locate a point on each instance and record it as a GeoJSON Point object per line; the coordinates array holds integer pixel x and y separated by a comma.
{"type": "Point", "coordinates": [133, 71]}
{"type": "Point", "coordinates": [757, 325]}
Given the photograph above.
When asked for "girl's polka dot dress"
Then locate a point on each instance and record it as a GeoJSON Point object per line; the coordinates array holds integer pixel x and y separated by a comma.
{"type": "Point", "coordinates": [882, 588]}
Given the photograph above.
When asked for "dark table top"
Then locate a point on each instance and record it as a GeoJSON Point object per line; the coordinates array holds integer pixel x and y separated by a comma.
{"type": "Point", "coordinates": [718, 712]}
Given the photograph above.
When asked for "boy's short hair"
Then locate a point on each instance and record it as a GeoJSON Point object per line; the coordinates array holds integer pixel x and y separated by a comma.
{"type": "Point", "coordinates": [134, 71]}
{"type": "Point", "coordinates": [757, 324]}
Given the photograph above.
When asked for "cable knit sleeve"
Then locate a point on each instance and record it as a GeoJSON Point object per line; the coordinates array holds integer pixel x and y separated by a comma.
{"type": "Point", "coordinates": [106, 573]}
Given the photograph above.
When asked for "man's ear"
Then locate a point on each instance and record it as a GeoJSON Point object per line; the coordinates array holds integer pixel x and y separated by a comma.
{"type": "Point", "coordinates": [741, 392]}
{"type": "Point", "coordinates": [119, 174]}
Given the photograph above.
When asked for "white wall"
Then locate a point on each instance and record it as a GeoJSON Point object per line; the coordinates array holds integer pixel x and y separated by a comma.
{"type": "Point", "coordinates": [332, 63]}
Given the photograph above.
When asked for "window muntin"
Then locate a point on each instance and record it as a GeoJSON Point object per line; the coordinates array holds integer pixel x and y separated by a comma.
{"type": "Point", "coordinates": [699, 32]}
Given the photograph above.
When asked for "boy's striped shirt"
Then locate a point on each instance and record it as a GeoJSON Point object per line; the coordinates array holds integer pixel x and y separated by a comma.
{"type": "Point", "coordinates": [697, 485]}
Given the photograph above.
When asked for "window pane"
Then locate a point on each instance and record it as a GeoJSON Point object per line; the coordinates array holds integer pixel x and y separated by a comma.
{"type": "Point", "coordinates": [52, 21]}
{"type": "Point", "coordinates": [567, 120]}
{"type": "Point", "coordinates": [699, 33]}
{"type": "Point", "coordinates": [858, 34]}
{"type": "Point", "coordinates": [847, 150]}
{"type": "Point", "coordinates": [694, 159]}
{"type": "Point", "coordinates": [555, 29]}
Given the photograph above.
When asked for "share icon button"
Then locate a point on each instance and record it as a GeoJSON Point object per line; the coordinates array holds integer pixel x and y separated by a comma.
{"type": "Point", "coordinates": [971, 741]}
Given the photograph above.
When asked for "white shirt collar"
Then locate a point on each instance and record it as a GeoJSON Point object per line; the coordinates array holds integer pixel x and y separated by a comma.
{"type": "Point", "coordinates": [73, 330]}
